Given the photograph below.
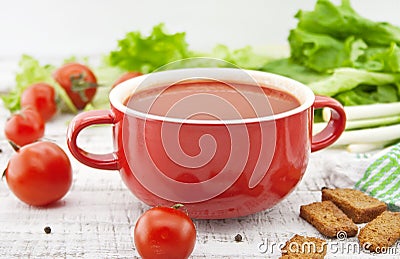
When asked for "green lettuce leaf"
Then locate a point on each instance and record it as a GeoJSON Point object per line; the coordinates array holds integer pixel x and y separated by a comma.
{"type": "Point", "coordinates": [323, 53]}
{"type": "Point", "coordinates": [339, 53]}
{"type": "Point", "coordinates": [245, 57]}
{"type": "Point", "coordinates": [369, 94]}
{"type": "Point", "coordinates": [31, 72]}
{"type": "Point", "coordinates": [342, 21]}
{"type": "Point", "coordinates": [158, 50]}
{"type": "Point", "coordinates": [345, 79]}
{"type": "Point", "coordinates": [336, 36]}
{"type": "Point", "coordinates": [287, 67]}
{"type": "Point", "coordinates": [385, 59]}
{"type": "Point", "coordinates": [145, 54]}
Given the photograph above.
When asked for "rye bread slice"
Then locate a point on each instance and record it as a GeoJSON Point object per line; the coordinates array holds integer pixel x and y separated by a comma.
{"type": "Point", "coordinates": [357, 205]}
{"type": "Point", "coordinates": [328, 219]}
{"type": "Point", "coordinates": [381, 233]}
{"type": "Point", "coordinates": [304, 247]}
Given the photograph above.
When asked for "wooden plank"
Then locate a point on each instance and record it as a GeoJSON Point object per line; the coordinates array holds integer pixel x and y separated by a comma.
{"type": "Point", "coordinates": [97, 217]}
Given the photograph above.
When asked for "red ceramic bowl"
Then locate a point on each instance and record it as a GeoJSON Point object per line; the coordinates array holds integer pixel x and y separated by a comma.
{"type": "Point", "coordinates": [251, 164]}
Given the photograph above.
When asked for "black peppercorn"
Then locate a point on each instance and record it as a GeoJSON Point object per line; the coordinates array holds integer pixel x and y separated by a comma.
{"type": "Point", "coordinates": [47, 230]}
{"type": "Point", "coordinates": [238, 238]}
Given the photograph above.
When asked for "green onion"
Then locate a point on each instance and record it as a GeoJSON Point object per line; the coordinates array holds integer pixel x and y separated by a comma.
{"type": "Point", "coordinates": [372, 123]}
{"type": "Point", "coordinates": [362, 148]}
{"type": "Point", "coordinates": [359, 112]}
{"type": "Point", "coordinates": [370, 135]}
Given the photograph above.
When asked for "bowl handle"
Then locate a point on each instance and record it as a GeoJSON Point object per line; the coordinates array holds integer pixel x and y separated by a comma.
{"type": "Point", "coordinates": [335, 126]}
{"type": "Point", "coordinates": [101, 161]}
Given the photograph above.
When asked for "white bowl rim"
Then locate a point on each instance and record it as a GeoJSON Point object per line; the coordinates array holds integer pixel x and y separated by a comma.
{"type": "Point", "coordinates": [303, 93]}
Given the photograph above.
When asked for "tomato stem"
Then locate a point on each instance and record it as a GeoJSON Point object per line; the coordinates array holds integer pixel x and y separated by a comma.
{"type": "Point", "coordinates": [3, 174]}
{"type": "Point", "coordinates": [177, 206]}
{"type": "Point", "coordinates": [79, 85]}
{"type": "Point", "coordinates": [180, 206]}
{"type": "Point", "coordinates": [14, 146]}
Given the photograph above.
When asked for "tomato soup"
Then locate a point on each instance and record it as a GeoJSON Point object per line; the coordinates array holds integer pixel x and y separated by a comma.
{"type": "Point", "coordinates": [212, 100]}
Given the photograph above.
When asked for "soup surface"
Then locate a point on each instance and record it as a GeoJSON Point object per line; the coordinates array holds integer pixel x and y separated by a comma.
{"type": "Point", "coordinates": [212, 100]}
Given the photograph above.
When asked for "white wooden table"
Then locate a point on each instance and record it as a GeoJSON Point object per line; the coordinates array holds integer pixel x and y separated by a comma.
{"type": "Point", "coordinates": [97, 217]}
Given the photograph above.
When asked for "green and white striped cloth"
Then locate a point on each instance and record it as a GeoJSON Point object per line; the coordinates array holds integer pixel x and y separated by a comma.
{"type": "Point", "coordinates": [382, 178]}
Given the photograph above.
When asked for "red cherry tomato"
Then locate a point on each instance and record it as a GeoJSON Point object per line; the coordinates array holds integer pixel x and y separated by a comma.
{"type": "Point", "coordinates": [78, 81]}
{"type": "Point", "coordinates": [42, 97]}
{"type": "Point", "coordinates": [125, 77]}
{"type": "Point", "coordinates": [39, 173]}
{"type": "Point", "coordinates": [164, 232]}
{"type": "Point", "coordinates": [24, 127]}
